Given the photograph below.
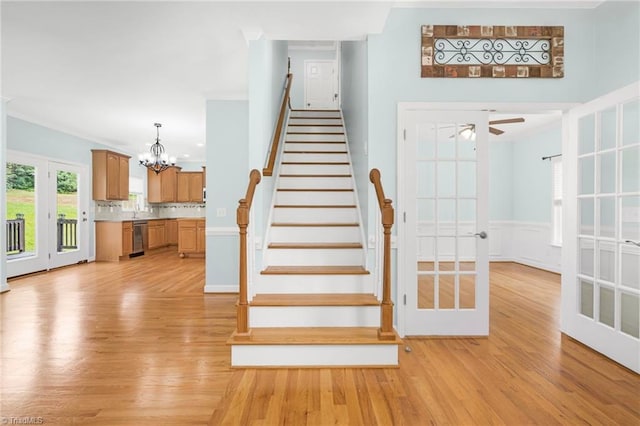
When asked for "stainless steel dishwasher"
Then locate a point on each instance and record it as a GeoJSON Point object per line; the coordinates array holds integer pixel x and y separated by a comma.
{"type": "Point", "coordinates": [139, 238]}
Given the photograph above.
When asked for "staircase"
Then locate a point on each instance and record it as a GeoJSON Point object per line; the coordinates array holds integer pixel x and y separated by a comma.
{"type": "Point", "coordinates": [314, 302]}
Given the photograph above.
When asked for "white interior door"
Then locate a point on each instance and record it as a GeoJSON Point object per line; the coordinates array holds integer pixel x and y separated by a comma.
{"type": "Point", "coordinates": [601, 253]}
{"type": "Point", "coordinates": [320, 84]}
{"type": "Point", "coordinates": [68, 218]}
{"type": "Point", "coordinates": [444, 250]}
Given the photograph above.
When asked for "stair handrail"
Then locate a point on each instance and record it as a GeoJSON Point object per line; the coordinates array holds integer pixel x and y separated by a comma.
{"type": "Point", "coordinates": [273, 152]}
{"type": "Point", "coordinates": [385, 332]}
{"type": "Point", "coordinates": [242, 218]}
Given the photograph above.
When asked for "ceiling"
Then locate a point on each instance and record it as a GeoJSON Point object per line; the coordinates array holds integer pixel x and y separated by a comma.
{"type": "Point", "coordinates": [106, 71]}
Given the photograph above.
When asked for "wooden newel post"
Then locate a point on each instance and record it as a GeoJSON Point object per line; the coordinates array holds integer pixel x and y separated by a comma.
{"type": "Point", "coordinates": [386, 310]}
{"type": "Point", "coordinates": [242, 219]}
{"type": "Point", "coordinates": [242, 327]}
{"type": "Point", "coordinates": [385, 332]}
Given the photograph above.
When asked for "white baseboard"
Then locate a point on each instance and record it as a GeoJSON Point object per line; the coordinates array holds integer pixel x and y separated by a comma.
{"type": "Point", "coordinates": [4, 287]}
{"type": "Point", "coordinates": [215, 288]}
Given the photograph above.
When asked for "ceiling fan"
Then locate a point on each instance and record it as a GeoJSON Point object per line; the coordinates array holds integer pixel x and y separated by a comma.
{"type": "Point", "coordinates": [493, 130]}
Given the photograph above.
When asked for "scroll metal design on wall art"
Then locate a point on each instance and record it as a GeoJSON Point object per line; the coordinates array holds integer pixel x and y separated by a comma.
{"type": "Point", "coordinates": [492, 51]}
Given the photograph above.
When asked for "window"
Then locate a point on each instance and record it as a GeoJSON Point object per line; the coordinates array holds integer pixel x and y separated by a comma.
{"type": "Point", "coordinates": [136, 195]}
{"type": "Point", "coordinates": [556, 195]}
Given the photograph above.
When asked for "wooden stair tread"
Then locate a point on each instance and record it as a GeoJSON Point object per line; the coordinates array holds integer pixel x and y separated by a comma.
{"type": "Point", "coordinates": [315, 133]}
{"type": "Point", "coordinates": [314, 125]}
{"type": "Point", "coordinates": [315, 246]}
{"type": "Point", "coordinates": [314, 152]}
{"type": "Point", "coordinates": [315, 142]}
{"type": "Point", "coordinates": [314, 176]}
{"type": "Point", "coordinates": [315, 110]}
{"type": "Point", "coordinates": [326, 225]}
{"type": "Point", "coordinates": [315, 189]}
{"type": "Point", "coordinates": [314, 336]}
{"type": "Point", "coordinates": [320, 163]}
{"type": "Point", "coordinates": [315, 270]}
{"type": "Point", "coordinates": [326, 299]}
{"type": "Point", "coordinates": [315, 206]}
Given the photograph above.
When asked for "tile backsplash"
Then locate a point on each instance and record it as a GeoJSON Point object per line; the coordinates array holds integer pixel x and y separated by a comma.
{"type": "Point", "coordinates": [112, 210]}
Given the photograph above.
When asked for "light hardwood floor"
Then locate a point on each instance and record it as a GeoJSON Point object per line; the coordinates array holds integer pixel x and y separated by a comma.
{"type": "Point", "coordinates": [138, 343]}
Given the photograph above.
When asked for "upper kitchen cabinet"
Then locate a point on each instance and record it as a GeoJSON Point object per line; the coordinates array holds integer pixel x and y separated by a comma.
{"type": "Point", "coordinates": [162, 187]}
{"type": "Point", "coordinates": [190, 187]}
{"type": "Point", "coordinates": [110, 175]}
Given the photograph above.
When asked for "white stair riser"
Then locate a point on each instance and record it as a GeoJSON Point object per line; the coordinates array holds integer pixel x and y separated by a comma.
{"type": "Point", "coordinates": [323, 114]}
{"type": "Point", "coordinates": [314, 316]}
{"type": "Point", "coordinates": [315, 129]}
{"type": "Point", "coordinates": [332, 158]}
{"type": "Point", "coordinates": [312, 121]}
{"type": "Point", "coordinates": [314, 257]}
{"type": "Point", "coordinates": [315, 169]}
{"type": "Point", "coordinates": [315, 198]}
{"type": "Point", "coordinates": [314, 147]}
{"type": "Point", "coordinates": [314, 215]}
{"type": "Point", "coordinates": [313, 355]}
{"type": "Point", "coordinates": [314, 234]}
{"type": "Point", "coordinates": [311, 284]}
{"type": "Point", "coordinates": [315, 138]}
{"type": "Point", "coordinates": [315, 182]}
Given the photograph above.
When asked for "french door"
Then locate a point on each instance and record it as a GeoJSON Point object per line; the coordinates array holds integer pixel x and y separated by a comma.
{"type": "Point", "coordinates": [601, 253]}
{"type": "Point", "coordinates": [68, 219]}
{"type": "Point", "coordinates": [444, 250]}
{"type": "Point", "coordinates": [320, 84]}
{"type": "Point", "coordinates": [46, 214]}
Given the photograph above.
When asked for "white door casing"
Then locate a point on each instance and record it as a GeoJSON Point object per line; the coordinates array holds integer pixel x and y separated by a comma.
{"type": "Point", "coordinates": [320, 84]}
{"type": "Point", "coordinates": [443, 189]}
{"type": "Point", "coordinates": [600, 262]}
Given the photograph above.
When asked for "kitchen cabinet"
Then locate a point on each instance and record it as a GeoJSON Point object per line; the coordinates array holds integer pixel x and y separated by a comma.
{"type": "Point", "coordinates": [156, 234]}
{"type": "Point", "coordinates": [162, 187]}
{"type": "Point", "coordinates": [110, 175]}
{"type": "Point", "coordinates": [190, 187]}
{"type": "Point", "coordinates": [171, 231]}
{"type": "Point", "coordinates": [191, 236]}
{"type": "Point", "coordinates": [127, 238]}
{"type": "Point", "coordinates": [114, 240]}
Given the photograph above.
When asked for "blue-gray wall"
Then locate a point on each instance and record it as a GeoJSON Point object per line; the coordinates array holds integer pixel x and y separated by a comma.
{"type": "Point", "coordinates": [227, 164]}
{"type": "Point", "coordinates": [531, 176]}
{"type": "Point", "coordinates": [355, 110]}
{"type": "Point", "coordinates": [616, 38]}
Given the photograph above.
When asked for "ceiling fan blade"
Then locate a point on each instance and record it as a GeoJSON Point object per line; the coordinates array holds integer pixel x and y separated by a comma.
{"type": "Point", "coordinates": [495, 131]}
{"type": "Point", "coordinates": [508, 121]}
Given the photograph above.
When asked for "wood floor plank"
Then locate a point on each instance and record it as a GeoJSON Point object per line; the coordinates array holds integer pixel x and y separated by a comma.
{"type": "Point", "coordinates": [114, 345]}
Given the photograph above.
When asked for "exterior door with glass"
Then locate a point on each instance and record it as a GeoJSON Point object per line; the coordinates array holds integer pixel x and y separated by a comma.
{"type": "Point", "coordinates": [26, 214]}
{"type": "Point", "coordinates": [601, 253]}
{"type": "Point", "coordinates": [444, 249]}
{"type": "Point", "coordinates": [68, 218]}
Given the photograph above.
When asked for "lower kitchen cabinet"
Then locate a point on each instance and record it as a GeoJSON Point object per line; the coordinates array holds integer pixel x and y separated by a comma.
{"type": "Point", "coordinates": [171, 230]}
{"type": "Point", "coordinates": [113, 240]}
{"type": "Point", "coordinates": [191, 236]}
{"type": "Point", "coordinates": [156, 237]}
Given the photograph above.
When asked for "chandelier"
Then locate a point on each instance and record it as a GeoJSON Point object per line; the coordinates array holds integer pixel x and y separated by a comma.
{"type": "Point", "coordinates": [156, 159]}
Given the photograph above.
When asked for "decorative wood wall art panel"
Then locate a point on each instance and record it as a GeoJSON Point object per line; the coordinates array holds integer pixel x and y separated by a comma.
{"type": "Point", "coordinates": [457, 51]}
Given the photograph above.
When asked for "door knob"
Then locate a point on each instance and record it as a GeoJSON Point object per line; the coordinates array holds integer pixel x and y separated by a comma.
{"type": "Point", "coordinates": [481, 234]}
